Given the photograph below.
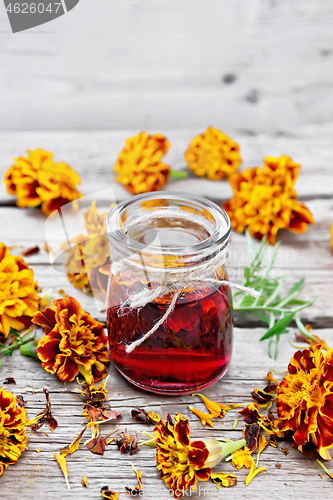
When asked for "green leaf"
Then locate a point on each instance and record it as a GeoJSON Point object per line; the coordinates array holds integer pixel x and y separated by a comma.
{"type": "Point", "coordinates": [278, 335]}
{"type": "Point", "coordinates": [302, 329]}
{"type": "Point", "coordinates": [293, 292]}
{"type": "Point", "coordinates": [279, 327]}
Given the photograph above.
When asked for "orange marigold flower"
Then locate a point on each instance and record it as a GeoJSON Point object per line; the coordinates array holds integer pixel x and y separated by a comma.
{"type": "Point", "coordinates": [139, 166]}
{"type": "Point", "coordinates": [12, 431]}
{"type": "Point", "coordinates": [305, 399]}
{"type": "Point", "coordinates": [182, 462]}
{"type": "Point", "coordinates": [264, 200]}
{"type": "Point", "coordinates": [18, 293]}
{"type": "Point", "coordinates": [37, 179]}
{"type": "Point", "coordinates": [74, 342]}
{"type": "Point", "coordinates": [213, 154]}
{"type": "Point", "coordinates": [87, 260]}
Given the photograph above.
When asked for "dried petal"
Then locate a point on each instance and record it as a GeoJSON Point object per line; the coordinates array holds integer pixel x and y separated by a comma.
{"type": "Point", "coordinates": [74, 446]}
{"type": "Point", "coordinates": [9, 380]}
{"type": "Point", "coordinates": [97, 445]}
{"type": "Point", "coordinates": [63, 466]}
{"type": "Point", "coordinates": [137, 488]}
{"type": "Point", "coordinates": [147, 417]}
{"type": "Point", "coordinates": [84, 482]}
{"type": "Point", "coordinates": [223, 479]}
{"type": "Point", "coordinates": [217, 409]}
{"type": "Point", "coordinates": [253, 473]}
{"type": "Point", "coordinates": [94, 414]}
{"type": "Point", "coordinates": [270, 378]}
{"type": "Point", "coordinates": [251, 414]}
{"type": "Point", "coordinates": [44, 417]}
{"type": "Point", "coordinates": [251, 434]}
{"type": "Point", "coordinates": [204, 417]}
{"type": "Point", "coordinates": [30, 251]}
{"type": "Point", "coordinates": [110, 495]}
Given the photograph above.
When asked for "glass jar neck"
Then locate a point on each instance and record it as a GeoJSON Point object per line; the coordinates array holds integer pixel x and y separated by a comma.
{"type": "Point", "coordinates": [167, 230]}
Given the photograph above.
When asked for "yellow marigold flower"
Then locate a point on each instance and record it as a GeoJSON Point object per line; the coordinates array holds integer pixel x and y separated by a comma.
{"type": "Point", "coordinates": [213, 154]}
{"type": "Point", "coordinates": [87, 260]}
{"type": "Point", "coordinates": [37, 179]}
{"type": "Point", "coordinates": [264, 200]}
{"type": "Point", "coordinates": [305, 399]}
{"type": "Point", "coordinates": [18, 293]}
{"type": "Point", "coordinates": [74, 342]}
{"type": "Point", "coordinates": [12, 430]}
{"type": "Point", "coordinates": [139, 166]}
{"type": "Point", "coordinates": [182, 462]}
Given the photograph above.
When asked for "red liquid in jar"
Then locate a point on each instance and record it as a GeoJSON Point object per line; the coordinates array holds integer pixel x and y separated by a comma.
{"type": "Point", "coordinates": [191, 350]}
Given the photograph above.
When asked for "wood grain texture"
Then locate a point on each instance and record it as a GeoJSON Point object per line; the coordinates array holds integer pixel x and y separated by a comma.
{"type": "Point", "coordinates": [36, 475]}
{"type": "Point", "coordinates": [255, 65]}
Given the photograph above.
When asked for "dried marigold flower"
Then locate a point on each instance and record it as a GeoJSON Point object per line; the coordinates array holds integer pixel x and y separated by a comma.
{"type": "Point", "coordinates": [87, 260]}
{"type": "Point", "coordinates": [44, 417]}
{"type": "Point", "coordinates": [37, 180]}
{"type": "Point", "coordinates": [182, 462]}
{"type": "Point", "coordinates": [213, 154]}
{"type": "Point", "coordinates": [305, 400]}
{"type": "Point", "coordinates": [18, 293]}
{"type": "Point", "coordinates": [74, 342]}
{"type": "Point", "coordinates": [139, 166]}
{"type": "Point", "coordinates": [13, 440]}
{"type": "Point", "coordinates": [264, 200]}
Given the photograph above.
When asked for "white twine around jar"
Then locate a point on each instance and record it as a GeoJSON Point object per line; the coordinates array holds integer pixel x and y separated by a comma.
{"type": "Point", "coordinates": [172, 280]}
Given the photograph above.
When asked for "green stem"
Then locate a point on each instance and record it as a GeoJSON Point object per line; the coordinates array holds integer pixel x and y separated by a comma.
{"type": "Point", "coordinates": [30, 349]}
{"type": "Point", "coordinates": [272, 308]}
{"type": "Point", "coordinates": [178, 174]}
{"type": "Point", "coordinates": [19, 341]}
{"type": "Point", "coordinates": [231, 447]}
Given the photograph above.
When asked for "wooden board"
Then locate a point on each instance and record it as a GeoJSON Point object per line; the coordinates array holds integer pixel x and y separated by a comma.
{"type": "Point", "coordinates": [36, 474]}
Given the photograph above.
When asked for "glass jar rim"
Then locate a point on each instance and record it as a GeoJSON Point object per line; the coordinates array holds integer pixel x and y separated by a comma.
{"type": "Point", "coordinates": [219, 238]}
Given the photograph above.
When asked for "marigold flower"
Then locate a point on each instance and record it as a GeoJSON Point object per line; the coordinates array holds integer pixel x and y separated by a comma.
{"type": "Point", "coordinates": [139, 166]}
{"type": "Point", "coordinates": [37, 179]}
{"type": "Point", "coordinates": [12, 430]}
{"type": "Point", "coordinates": [74, 342]}
{"type": "Point", "coordinates": [264, 200]}
{"type": "Point", "coordinates": [305, 399]}
{"type": "Point", "coordinates": [213, 154]}
{"type": "Point", "coordinates": [87, 260]}
{"type": "Point", "coordinates": [18, 293]}
{"type": "Point", "coordinates": [182, 462]}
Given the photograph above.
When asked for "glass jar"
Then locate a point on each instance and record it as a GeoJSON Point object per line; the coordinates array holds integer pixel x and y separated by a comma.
{"type": "Point", "coordinates": [162, 244]}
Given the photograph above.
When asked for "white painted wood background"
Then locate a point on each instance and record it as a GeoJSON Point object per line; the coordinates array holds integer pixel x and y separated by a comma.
{"type": "Point", "coordinates": [242, 65]}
